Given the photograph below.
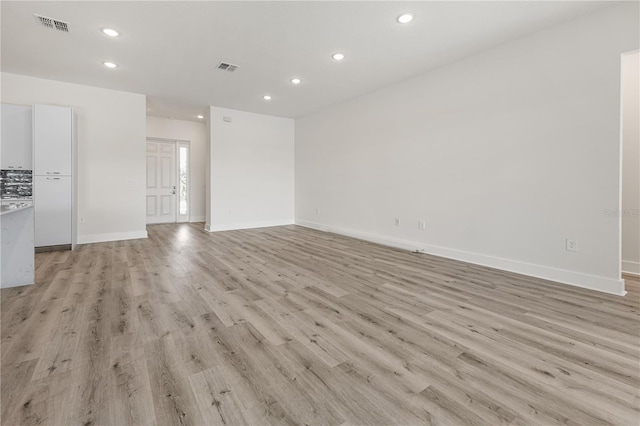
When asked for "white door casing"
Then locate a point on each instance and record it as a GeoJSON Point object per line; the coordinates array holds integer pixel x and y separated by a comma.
{"type": "Point", "coordinates": [161, 182]}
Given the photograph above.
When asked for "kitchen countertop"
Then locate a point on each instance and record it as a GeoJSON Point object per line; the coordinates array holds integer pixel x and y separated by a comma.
{"type": "Point", "coordinates": [8, 210]}
{"type": "Point", "coordinates": [17, 265]}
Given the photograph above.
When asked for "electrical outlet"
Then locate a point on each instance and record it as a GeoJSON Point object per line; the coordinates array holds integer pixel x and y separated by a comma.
{"type": "Point", "coordinates": [571, 244]}
{"type": "Point", "coordinates": [422, 225]}
{"type": "Point", "coordinates": [131, 182]}
{"type": "Point", "coordinates": [397, 221]}
{"type": "Point", "coordinates": [317, 210]}
{"type": "Point", "coordinates": [81, 219]}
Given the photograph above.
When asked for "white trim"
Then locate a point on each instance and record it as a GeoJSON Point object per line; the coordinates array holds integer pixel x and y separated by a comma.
{"type": "Point", "coordinates": [197, 219]}
{"type": "Point", "coordinates": [592, 282]}
{"type": "Point", "coordinates": [620, 163]}
{"type": "Point", "coordinates": [630, 267]}
{"type": "Point", "coordinates": [248, 225]}
{"type": "Point", "coordinates": [116, 236]}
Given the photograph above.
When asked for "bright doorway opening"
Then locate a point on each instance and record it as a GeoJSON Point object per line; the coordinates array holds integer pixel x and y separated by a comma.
{"type": "Point", "coordinates": [183, 182]}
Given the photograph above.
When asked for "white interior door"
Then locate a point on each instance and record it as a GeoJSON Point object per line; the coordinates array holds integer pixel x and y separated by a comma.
{"type": "Point", "coordinates": [161, 182]}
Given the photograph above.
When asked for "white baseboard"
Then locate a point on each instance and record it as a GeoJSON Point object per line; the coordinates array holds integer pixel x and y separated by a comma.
{"type": "Point", "coordinates": [116, 236]}
{"type": "Point", "coordinates": [248, 225]}
{"type": "Point", "coordinates": [630, 267]}
{"type": "Point", "coordinates": [197, 219]}
{"type": "Point", "coordinates": [592, 282]}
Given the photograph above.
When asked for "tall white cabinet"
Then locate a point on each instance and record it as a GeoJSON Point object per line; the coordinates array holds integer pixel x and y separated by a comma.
{"type": "Point", "coordinates": [54, 191]}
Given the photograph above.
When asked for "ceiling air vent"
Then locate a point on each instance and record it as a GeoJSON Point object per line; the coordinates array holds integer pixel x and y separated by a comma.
{"type": "Point", "coordinates": [227, 67]}
{"type": "Point", "coordinates": [54, 24]}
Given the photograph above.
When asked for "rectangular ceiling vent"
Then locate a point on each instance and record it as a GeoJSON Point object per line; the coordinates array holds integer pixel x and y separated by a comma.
{"type": "Point", "coordinates": [227, 67]}
{"type": "Point", "coordinates": [54, 24]}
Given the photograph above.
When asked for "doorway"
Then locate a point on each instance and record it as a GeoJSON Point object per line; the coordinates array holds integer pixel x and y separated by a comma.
{"type": "Point", "coordinates": [167, 198]}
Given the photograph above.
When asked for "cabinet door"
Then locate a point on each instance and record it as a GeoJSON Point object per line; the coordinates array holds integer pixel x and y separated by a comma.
{"type": "Point", "coordinates": [16, 138]}
{"type": "Point", "coordinates": [52, 205]}
{"type": "Point", "coordinates": [52, 140]}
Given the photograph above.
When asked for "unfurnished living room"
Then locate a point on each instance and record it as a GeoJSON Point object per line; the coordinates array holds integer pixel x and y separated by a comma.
{"type": "Point", "coordinates": [320, 213]}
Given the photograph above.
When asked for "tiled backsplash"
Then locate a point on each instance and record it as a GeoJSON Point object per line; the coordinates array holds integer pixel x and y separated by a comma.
{"type": "Point", "coordinates": [16, 184]}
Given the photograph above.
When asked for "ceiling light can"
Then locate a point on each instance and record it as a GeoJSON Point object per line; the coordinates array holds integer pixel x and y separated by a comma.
{"type": "Point", "coordinates": [296, 81]}
{"type": "Point", "coordinates": [110, 32]}
{"type": "Point", "coordinates": [109, 64]}
{"type": "Point", "coordinates": [405, 18]}
{"type": "Point", "coordinates": [267, 97]}
{"type": "Point", "coordinates": [338, 56]}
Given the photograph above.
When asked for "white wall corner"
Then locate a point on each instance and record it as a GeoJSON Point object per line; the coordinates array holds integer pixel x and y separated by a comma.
{"type": "Point", "coordinates": [258, 190]}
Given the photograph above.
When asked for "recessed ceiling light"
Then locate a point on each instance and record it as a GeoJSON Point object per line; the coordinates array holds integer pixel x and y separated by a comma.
{"type": "Point", "coordinates": [200, 116]}
{"type": "Point", "coordinates": [109, 64]}
{"type": "Point", "coordinates": [110, 32]}
{"type": "Point", "coordinates": [296, 80]}
{"type": "Point", "coordinates": [338, 56]}
{"type": "Point", "coordinates": [266, 97]}
{"type": "Point", "coordinates": [405, 18]}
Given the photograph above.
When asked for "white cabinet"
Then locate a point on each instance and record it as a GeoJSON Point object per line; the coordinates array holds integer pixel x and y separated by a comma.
{"type": "Point", "coordinates": [53, 204]}
{"type": "Point", "coordinates": [53, 129]}
{"type": "Point", "coordinates": [16, 150]}
{"type": "Point", "coordinates": [54, 180]}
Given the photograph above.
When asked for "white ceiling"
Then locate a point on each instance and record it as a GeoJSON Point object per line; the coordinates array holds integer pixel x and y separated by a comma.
{"type": "Point", "coordinates": [169, 51]}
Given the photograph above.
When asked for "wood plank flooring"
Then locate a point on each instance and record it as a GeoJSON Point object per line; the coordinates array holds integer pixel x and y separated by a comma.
{"type": "Point", "coordinates": [288, 325]}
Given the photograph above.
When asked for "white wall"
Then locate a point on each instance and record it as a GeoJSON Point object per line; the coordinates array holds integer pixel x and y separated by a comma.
{"type": "Point", "coordinates": [631, 163]}
{"type": "Point", "coordinates": [504, 154]}
{"type": "Point", "coordinates": [251, 170]}
{"type": "Point", "coordinates": [111, 151]}
{"type": "Point", "coordinates": [195, 133]}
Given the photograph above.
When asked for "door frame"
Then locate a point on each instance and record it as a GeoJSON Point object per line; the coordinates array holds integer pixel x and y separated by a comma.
{"type": "Point", "coordinates": [622, 264]}
{"type": "Point", "coordinates": [177, 143]}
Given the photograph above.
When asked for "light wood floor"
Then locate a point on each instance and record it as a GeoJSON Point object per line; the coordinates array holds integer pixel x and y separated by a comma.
{"type": "Point", "coordinates": [292, 326]}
